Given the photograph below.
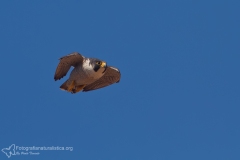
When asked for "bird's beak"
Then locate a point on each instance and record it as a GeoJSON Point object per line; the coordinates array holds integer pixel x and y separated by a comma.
{"type": "Point", "coordinates": [104, 64]}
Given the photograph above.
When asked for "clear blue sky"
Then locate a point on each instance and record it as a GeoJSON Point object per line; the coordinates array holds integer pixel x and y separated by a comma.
{"type": "Point", "coordinates": [178, 98]}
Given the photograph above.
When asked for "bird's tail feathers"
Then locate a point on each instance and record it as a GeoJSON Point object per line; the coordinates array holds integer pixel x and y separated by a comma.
{"type": "Point", "coordinates": [64, 86]}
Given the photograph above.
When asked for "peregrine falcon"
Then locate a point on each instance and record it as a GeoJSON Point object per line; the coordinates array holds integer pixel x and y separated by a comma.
{"type": "Point", "coordinates": [88, 73]}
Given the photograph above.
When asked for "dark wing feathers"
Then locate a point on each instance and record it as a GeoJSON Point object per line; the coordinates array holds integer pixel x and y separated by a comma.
{"type": "Point", "coordinates": [65, 64]}
{"type": "Point", "coordinates": [111, 76]}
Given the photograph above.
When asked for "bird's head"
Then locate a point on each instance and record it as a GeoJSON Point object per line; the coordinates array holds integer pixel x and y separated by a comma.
{"type": "Point", "coordinates": [98, 65]}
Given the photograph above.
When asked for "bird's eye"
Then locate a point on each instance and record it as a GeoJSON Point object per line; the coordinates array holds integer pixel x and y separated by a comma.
{"type": "Point", "coordinates": [98, 62]}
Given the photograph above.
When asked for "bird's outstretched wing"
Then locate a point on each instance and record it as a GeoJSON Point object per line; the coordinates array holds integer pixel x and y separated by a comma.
{"type": "Point", "coordinates": [74, 59]}
{"type": "Point", "coordinates": [111, 76]}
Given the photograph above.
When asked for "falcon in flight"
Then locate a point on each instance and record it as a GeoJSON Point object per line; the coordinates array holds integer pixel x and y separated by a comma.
{"type": "Point", "coordinates": [88, 73]}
